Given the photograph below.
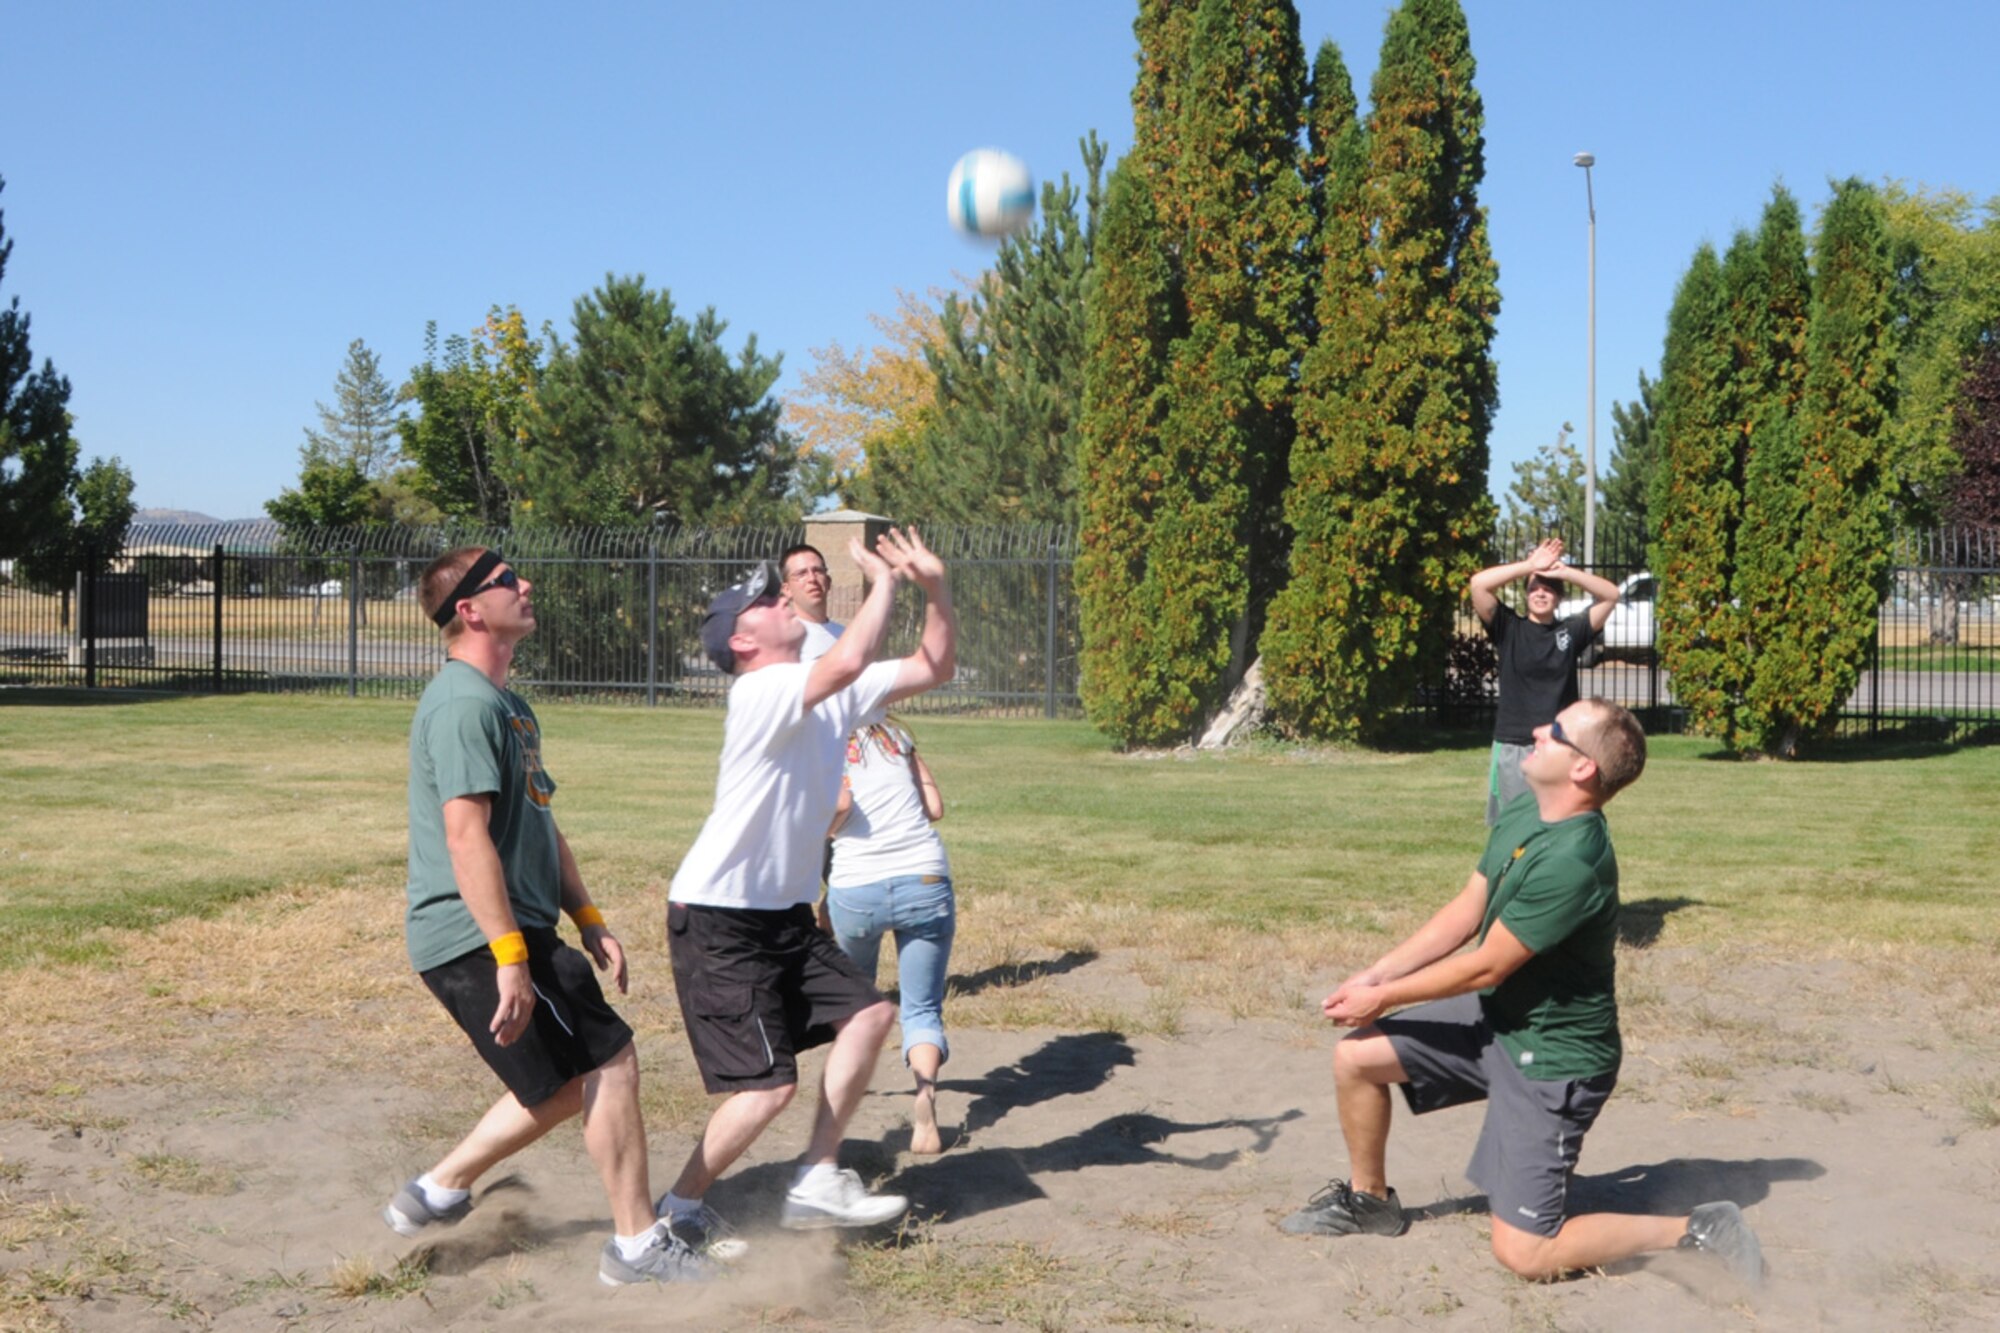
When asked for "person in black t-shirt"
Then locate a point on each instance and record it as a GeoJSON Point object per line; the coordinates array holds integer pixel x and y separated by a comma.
{"type": "Point", "coordinates": [1537, 655]}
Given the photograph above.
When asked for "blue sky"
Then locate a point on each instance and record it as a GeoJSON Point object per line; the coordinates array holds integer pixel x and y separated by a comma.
{"type": "Point", "coordinates": [210, 201]}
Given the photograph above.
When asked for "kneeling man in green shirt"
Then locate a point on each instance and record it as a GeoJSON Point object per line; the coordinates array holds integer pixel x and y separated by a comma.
{"type": "Point", "coordinates": [1525, 1020]}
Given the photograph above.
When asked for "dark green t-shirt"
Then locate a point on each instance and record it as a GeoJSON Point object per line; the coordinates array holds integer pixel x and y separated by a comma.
{"type": "Point", "coordinates": [1555, 887]}
{"type": "Point", "coordinates": [471, 738]}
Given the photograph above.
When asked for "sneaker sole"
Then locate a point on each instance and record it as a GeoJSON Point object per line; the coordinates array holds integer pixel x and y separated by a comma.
{"type": "Point", "coordinates": [829, 1221]}
{"type": "Point", "coordinates": [401, 1225]}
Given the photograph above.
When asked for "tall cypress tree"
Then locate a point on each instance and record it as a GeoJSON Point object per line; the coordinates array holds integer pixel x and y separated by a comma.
{"type": "Point", "coordinates": [1813, 652]}
{"type": "Point", "coordinates": [1134, 314]}
{"type": "Point", "coordinates": [1397, 398]}
{"type": "Point", "coordinates": [1771, 336]}
{"type": "Point", "coordinates": [1696, 496]}
{"type": "Point", "coordinates": [1216, 278]}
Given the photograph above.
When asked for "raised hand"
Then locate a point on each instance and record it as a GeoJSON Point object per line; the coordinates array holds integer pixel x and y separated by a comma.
{"type": "Point", "coordinates": [1546, 556]}
{"type": "Point", "coordinates": [907, 552]}
{"type": "Point", "coordinates": [873, 567]}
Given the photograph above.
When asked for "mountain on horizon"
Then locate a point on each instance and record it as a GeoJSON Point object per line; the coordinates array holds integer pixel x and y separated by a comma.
{"type": "Point", "coordinates": [188, 518]}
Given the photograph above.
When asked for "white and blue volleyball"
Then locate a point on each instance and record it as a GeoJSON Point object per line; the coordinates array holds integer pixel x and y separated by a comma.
{"type": "Point", "coordinates": [990, 193]}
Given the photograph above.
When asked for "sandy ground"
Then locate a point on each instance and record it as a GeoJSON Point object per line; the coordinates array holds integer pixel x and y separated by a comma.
{"type": "Point", "coordinates": [1092, 1180]}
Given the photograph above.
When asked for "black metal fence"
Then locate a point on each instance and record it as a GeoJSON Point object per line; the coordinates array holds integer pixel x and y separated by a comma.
{"type": "Point", "coordinates": [245, 607]}
{"type": "Point", "coordinates": [248, 608]}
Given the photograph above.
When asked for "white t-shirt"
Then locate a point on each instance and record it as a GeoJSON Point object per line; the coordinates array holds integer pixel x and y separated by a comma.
{"type": "Point", "coordinates": [776, 788]}
{"type": "Point", "coordinates": [886, 833]}
{"type": "Point", "coordinates": [819, 638]}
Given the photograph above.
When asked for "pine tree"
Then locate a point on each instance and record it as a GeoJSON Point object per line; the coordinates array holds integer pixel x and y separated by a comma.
{"type": "Point", "coordinates": [37, 453]}
{"type": "Point", "coordinates": [999, 443]}
{"type": "Point", "coordinates": [363, 425]}
{"type": "Point", "coordinates": [647, 415]}
{"type": "Point", "coordinates": [1389, 472]}
{"type": "Point", "coordinates": [1547, 493]}
{"type": "Point", "coordinates": [1625, 494]}
{"type": "Point", "coordinates": [1696, 498]}
{"type": "Point", "coordinates": [1814, 651]}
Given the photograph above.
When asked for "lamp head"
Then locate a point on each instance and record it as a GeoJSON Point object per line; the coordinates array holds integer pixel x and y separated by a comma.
{"type": "Point", "coordinates": [1586, 160]}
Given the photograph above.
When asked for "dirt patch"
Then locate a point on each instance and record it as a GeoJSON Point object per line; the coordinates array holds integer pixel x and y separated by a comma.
{"type": "Point", "coordinates": [222, 1163]}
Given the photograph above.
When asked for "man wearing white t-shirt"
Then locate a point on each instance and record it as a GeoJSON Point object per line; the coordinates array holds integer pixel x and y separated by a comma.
{"type": "Point", "coordinates": [757, 981]}
{"type": "Point", "coordinates": [806, 586]}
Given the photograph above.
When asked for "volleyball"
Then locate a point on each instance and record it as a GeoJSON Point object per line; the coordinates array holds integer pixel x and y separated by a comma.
{"type": "Point", "coordinates": [990, 193]}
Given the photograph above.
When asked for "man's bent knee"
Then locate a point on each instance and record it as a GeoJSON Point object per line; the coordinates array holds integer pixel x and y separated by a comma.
{"type": "Point", "coordinates": [1525, 1254]}
{"type": "Point", "coordinates": [1367, 1056]}
{"type": "Point", "coordinates": [873, 1022]}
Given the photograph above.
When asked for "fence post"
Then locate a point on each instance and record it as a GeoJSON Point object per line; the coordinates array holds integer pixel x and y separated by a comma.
{"type": "Point", "coordinates": [353, 623]}
{"type": "Point", "coordinates": [215, 676]}
{"type": "Point", "coordinates": [86, 617]}
{"type": "Point", "coordinates": [652, 622]}
{"type": "Point", "coordinates": [1051, 662]}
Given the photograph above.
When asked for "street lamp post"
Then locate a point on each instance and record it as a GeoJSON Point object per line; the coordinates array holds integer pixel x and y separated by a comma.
{"type": "Point", "coordinates": [1587, 161]}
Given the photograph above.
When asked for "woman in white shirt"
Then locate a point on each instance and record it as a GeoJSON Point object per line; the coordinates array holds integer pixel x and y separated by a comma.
{"type": "Point", "coordinates": [890, 874]}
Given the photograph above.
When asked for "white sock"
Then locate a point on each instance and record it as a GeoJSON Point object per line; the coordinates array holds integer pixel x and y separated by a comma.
{"type": "Point", "coordinates": [631, 1247]}
{"type": "Point", "coordinates": [673, 1205]}
{"type": "Point", "coordinates": [810, 1176]}
{"type": "Point", "coordinates": [437, 1197]}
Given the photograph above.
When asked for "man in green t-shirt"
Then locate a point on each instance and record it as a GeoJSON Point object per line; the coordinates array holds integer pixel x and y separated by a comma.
{"type": "Point", "coordinates": [490, 875]}
{"type": "Point", "coordinates": [1525, 1020]}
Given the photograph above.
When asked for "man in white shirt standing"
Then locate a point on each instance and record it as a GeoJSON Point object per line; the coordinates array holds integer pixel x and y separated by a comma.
{"type": "Point", "coordinates": [758, 982]}
{"type": "Point", "coordinates": [806, 586]}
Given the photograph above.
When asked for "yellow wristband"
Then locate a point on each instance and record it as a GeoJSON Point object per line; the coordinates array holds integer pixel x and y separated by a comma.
{"type": "Point", "coordinates": [587, 915]}
{"type": "Point", "coordinates": [509, 949]}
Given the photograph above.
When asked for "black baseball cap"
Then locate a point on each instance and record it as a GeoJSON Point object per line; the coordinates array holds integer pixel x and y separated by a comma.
{"type": "Point", "coordinates": [725, 606]}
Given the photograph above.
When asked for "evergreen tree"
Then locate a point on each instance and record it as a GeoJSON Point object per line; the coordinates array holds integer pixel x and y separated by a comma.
{"type": "Point", "coordinates": [1696, 498]}
{"type": "Point", "coordinates": [1975, 497]}
{"type": "Point", "coordinates": [362, 427]}
{"type": "Point", "coordinates": [1547, 493]}
{"type": "Point", "coordinates": [37, 452]}
{"type": "Point", "coordinates": [1771, 319]}
{"type": "Point", "coordinates": [1812, 654]}
{"type": "Point", "coordinates": [1000, 441]}
{"type": "Point", "coordinates": [96, 511]}
{"type": "Point", "coordinates": [1623, 496]}
{"type": "Point", "coordinates": [1134, 313]}
{"type": "Point", "coordinates": [463, 446]}
{"type": "Point", "coordinates": [1211, 275]}
{"type": "Point", "coordinates": [646, 415]}
{"type": "Point", "coordinates": [1397, 397]}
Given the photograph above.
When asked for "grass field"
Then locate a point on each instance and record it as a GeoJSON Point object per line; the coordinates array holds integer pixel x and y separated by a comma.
{"type": "Point", "coordinates": [227, 874]}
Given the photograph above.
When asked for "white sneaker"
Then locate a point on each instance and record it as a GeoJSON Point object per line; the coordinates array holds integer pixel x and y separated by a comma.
{"type": "Point", "coordinates": [838, 1200]}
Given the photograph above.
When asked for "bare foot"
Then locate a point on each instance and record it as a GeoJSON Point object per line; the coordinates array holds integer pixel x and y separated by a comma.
{"type": "Point", "coordinates": [924, 1139]}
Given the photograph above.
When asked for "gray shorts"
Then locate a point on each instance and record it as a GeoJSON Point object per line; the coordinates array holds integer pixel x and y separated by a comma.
{"type": "Point", "coordinates": [1504, 779]}
{"type": "Point", "coordinates": [1534, 1129]}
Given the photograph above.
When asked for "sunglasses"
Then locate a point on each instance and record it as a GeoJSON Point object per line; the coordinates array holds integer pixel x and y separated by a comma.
{"type": "Point", "coordinates": [506, 578]}
{"type": "Point", "coordinates": [1561, 737]}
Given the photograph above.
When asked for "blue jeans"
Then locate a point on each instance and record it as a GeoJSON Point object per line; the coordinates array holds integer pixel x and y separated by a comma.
{"type": "Point", "coordinates": [923, 914]}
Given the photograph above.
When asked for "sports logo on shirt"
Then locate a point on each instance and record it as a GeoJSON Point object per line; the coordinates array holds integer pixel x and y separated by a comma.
{"type": "Point", "coordinates": [540, 790]}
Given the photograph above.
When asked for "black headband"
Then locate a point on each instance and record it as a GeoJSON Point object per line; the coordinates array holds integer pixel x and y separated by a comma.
{"type": "Point", "coordinates": [448, 610]}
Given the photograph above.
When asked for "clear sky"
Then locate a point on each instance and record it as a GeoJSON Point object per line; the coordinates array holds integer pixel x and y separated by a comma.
{"type": "Point", "coordinates": [209, 201]}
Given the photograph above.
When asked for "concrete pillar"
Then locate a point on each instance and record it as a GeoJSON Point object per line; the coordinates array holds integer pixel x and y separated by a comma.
{"type": "Point", "coordinates": [830, 533]}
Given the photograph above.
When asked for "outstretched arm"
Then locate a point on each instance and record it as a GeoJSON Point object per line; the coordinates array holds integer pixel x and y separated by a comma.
{"type": "Point", "coordinates": [1486, 584]}
{"type": "Point", "coordinates": [936, 658]}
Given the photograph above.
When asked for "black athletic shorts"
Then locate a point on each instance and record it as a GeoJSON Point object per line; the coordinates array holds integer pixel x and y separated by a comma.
{"type": "Point", "coordinates": [756, 988]}
{"type": "Point", "coordinates": [1533, 1133]}
{"type": "Point", "coordinates": [572, 1031]}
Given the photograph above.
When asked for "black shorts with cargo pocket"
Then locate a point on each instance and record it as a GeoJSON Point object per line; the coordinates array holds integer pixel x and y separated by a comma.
{"type": "Point", "coordinates": [756, 988]}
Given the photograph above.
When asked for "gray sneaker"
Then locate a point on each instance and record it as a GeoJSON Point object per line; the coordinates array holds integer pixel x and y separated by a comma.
{"type": "Point", "coordinates": [839, 1200]}
{"type": "Point", "coordinates": [1719, 1229]}
{"type": "Point", "coordinates": [704, 1232]}
{"type": "Point", "coordinates": [1339, 1210]}
{"type": "Point", "coordinates": [666, 1259]}
{"type": "Point", "coordinates": [410, 1215]}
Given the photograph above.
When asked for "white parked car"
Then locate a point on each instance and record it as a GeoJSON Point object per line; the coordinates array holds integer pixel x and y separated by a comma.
{"type": "Point", "coordinates": [1628, 634]}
